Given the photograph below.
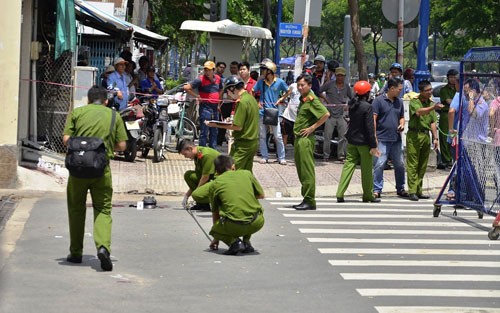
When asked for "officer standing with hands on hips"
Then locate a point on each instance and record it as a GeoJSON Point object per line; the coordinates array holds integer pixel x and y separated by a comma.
{"type": "Point", "coordinates": [93, 120]}
{"type": "Point", "coordinates": [245, 123]}
{"type": "Point", "coordinates": [311, 114]}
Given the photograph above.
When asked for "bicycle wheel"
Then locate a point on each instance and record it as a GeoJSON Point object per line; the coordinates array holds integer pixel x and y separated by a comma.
{"type": "Point", "coordinates": [158, 145]}
{"type": "Point", "coordinates": [177, 134]}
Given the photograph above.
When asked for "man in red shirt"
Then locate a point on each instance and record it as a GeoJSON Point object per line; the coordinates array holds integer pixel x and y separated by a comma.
{"type": "Point", "coordinates": [208, 86]}
{"type": "Point", "coordinates": [244, 70]}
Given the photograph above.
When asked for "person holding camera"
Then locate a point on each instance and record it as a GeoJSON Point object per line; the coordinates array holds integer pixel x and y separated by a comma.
{"type": "Point", "coordinates": [389, 120]}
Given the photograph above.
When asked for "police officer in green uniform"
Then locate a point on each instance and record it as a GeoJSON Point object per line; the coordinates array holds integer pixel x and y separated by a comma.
{"type": "Point", "coordinates": [446, 94]}
{"type": "Point", "coordinates": [236, 212]}
{"type": "Point", "coordinates": [93, 120]}
{"type": "Point", "coordinates": [311, 114]}
{"type": "Point", "coordinates": [204, 171]}
{"type": "Point", "coordinates": [245, 123]}
{"type": "Point", "coordinates": [422, 120]}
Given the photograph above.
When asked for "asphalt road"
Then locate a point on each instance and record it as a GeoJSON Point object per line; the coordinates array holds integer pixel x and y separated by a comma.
{"type": "Point", "coordinates": [354, 257]}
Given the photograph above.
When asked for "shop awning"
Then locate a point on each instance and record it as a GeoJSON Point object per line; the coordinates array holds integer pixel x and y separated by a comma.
{"type": "Point", "coordinates": [93, 17]}
{"type": "Point", "coordinates": [228, 27]}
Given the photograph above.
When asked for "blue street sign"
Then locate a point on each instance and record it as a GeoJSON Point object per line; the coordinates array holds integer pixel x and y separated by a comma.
{"type": "Point", "coordinates": [290, 30]}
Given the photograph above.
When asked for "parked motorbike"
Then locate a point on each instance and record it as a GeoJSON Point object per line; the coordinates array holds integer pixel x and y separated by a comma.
{"type": "Point", "coordinates": [131, 117]}
{"type": "Point", "coordinates": [147, 124]}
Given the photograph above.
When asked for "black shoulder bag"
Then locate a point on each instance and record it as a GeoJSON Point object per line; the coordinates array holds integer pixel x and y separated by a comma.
{"type": "Point", "coordinates": [270, 114]}
{"type": "Point", "coordinates": [86, 156]}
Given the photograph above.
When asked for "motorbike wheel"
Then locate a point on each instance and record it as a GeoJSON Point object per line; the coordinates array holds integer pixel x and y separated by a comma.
{"type": "Point", "coordinates": [131, 151]}
{"type": "Point", "coordinates": [144, 152]}
{"type": "Point", "coordinates": [158, 145]}
{"type": "Point", "coordinates": [188, 131]}
{"type": "Point", "coordinates": [318, 147]}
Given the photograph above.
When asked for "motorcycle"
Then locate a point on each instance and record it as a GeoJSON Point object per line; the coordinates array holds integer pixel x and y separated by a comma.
{"type": "Point", "coordinates": [131, 117]}
{"type": "Point", "coordinates": [147, 124]}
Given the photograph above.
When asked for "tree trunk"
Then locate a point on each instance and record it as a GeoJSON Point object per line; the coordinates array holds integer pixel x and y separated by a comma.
{"type": "Point", "coordinates": [267, 24]}
{"type": "Point", "coordinates": [358, 40]}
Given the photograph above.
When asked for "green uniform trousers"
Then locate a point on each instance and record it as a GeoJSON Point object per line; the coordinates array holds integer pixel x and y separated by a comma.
{"type": "Point", "coordinates": [243, 152]}
{"type": "Point", "coordinates": [101, 191]}
{"type": "Point", "coordinates": [444, 146]}
{"type": "Point", "coordinates": [192, 180]}
{"type": "Point", "coordinates": [202, 193]}
{"type": "Point", "coordinates": [228, 231]}
{"type": "Point", "coordinates": [304, 162]}
{"type": "Point", "coordinates": [357, 154]}
{"type": "Point", "coordinates": [418, 147]}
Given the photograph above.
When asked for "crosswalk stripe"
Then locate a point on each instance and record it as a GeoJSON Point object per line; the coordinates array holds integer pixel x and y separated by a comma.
{"type": "Point", "coordinates": [419, 277]}
{"type": "Point", "coordinates": [414, 241]}
{"type": "Point", "coordinates": [408, 251]}
{"type": "Point", "coordinates": [434, 309]}
{"type": "Point", "coordinates": [412, 263]}
{"type": "Point", "coordinates": [405, 292]}
{"type": "Point", "coordinates": [353, 199]}
{"type": "Point", "coordinates": [370, 223]}
{"type": "Point", "coordinates": [384, 216]}
{"type": "Point", "coordinates": [349, 204]}
{"type": "Point", "coordinates": [380, 209]}
{"type": "Point", "coordinates": [391, 231]}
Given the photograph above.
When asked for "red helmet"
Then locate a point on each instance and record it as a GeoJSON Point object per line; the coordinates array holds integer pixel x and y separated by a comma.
{"type": "Point", "coordinates": [362, 87]}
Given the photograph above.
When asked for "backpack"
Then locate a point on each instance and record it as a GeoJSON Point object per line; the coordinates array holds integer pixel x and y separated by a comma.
{"type": "Point", "coordinates": [86, 156]}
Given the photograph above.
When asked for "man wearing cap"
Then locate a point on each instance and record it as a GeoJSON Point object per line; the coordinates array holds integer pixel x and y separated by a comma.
{"type": "Point", "coordinates": [396, 70]}
{"type": "Point", "coordinates": [310, 68]}
{"type": "Point", "coordinates": [320, 72]}
{"type": "Point", "coordinates": [446, 94]}
{"type": "Point", "coordinates": [245, 123]}
{"type": "Point", "coordinates": [208, 86]}
{"type": "Point", "coordinates": [270, 88]}
{"type": "Point", "coordinates": [117, 83]}
{"type": "Point", "coordinates": [336, 94]}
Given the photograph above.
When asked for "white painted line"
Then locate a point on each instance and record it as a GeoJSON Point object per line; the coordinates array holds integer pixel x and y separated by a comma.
{"type": "Point", "coordinates": [371, 223]}
{"type": "Point", "coordinates": [434, 309]}
{"type": "Point", "coordinates": [351, 204]}
{"type": "Point", "coordinates": [410, 263]}
{"type": "Point", "coordinates": [461, 293]}
{"type": "Point", "coordinates": [392, 231]}
{"type": "Point", "coordinates": [415, 241]}
{"type": "Point", "coordinates": [349, 199]}
{"type": "Point", "coordinates": [419, 277]}
{"type": "Point", "coordinates": [379, 209]}
{"type": "Point", "coordinates": [409, 251]}
{"type": "Point", "coordinates": [384, 216]}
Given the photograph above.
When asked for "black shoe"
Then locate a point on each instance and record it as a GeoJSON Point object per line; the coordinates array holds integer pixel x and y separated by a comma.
{"type": "Point", "coordinates": [74, 258]}
{"type": "Point", "coordinates": [305, 206]}
{"type": "Point", "coordinates": [296, 205]}
{"type": "Point", "coordinates": [248, 247]}
{"type": "Point", "coordinates": [413, 197]}
{"type": "Point", "coordinates": [373, 200]}
{"type": "Point", "coordinates": [423, 196]}
{"type": "Point", "coordinates": [205, 207]}
{"type": "Point", "coordinates": [200, 207]}
{"type": "Point", "coordinates": [103, 256]}
{"type": "Point", "coordinates": [403, 194]}
{"type": "Point", "coordinates": [235, 247]}
{"type": "Point", "coordinates": [441, 166]}
{"type": "Point", "coordinates": [340, 200]}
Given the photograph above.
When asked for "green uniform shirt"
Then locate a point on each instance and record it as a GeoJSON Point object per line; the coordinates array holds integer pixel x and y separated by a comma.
{"type": "Point", "coordinates": [246, 115]}
{"type": "Point", "coordinates": [310, 110]}
{"type": "Point", "coordinates": [423, 122]}
{"type": "Point", "coordinates": [446, 92]}
{"type": "Point", "coordinates": [94, 120]}
{"type": "Point", "coordinates": [233, 194]}
{"type": "Point", "coordinates": [204, 161]}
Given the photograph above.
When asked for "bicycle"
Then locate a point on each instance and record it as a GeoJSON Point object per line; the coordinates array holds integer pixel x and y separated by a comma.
{"type": "Point", "coordinates": [172, 125]}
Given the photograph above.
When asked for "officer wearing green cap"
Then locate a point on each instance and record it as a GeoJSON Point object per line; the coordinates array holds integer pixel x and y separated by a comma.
{"type": "Point", "coordinates": [93, 120]}
{"type": "Point", "coordinates": [422, 120]}
{"type": "Point", "coordinates": [203, 172]}
{"type": "Point", "coordinates": [236, 211]}
{"type": "Point", "coordinates": [245, 123]}
{"type": "Point", "coordinates": [310, 115]}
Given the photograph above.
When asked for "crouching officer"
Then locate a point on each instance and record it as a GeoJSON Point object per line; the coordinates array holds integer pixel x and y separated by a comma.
{"type": "Point", "coordinates": [245, 123]}
{"type": "Point", "coordinates": [204, 171]}
{"type": "Point", "coordinates": [236, 212]}
{"type": "Point", "coordinates": [93, 120]}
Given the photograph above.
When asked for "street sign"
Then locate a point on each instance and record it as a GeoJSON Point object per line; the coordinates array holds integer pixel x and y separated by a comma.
{"type": "Point", "coordinates": [299, 12]}
{"type": "Point", "coordinates": [391, 34]}
{"type": "Point", "coordinates": [290, 30]}
{"type": "Point", "coordinates": [390, 10]}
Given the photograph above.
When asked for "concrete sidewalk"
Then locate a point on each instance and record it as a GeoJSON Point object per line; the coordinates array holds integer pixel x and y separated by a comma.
{"type": "Point", "coordinates": [167, 177]}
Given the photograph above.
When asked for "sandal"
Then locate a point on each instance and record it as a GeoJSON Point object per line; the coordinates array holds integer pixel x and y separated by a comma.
{"type": "Point", "coordinates": [403, 194]}
{"type": "Point", "coordinates": [376, 195]}
{"type": "Point", "coordinates": [263, 161]}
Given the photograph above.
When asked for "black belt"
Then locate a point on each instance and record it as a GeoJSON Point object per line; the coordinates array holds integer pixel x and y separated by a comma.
{"type": "Point", "coordinates": [418, 130]}
{"type": "Point", "coordinates": [223, 219]}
